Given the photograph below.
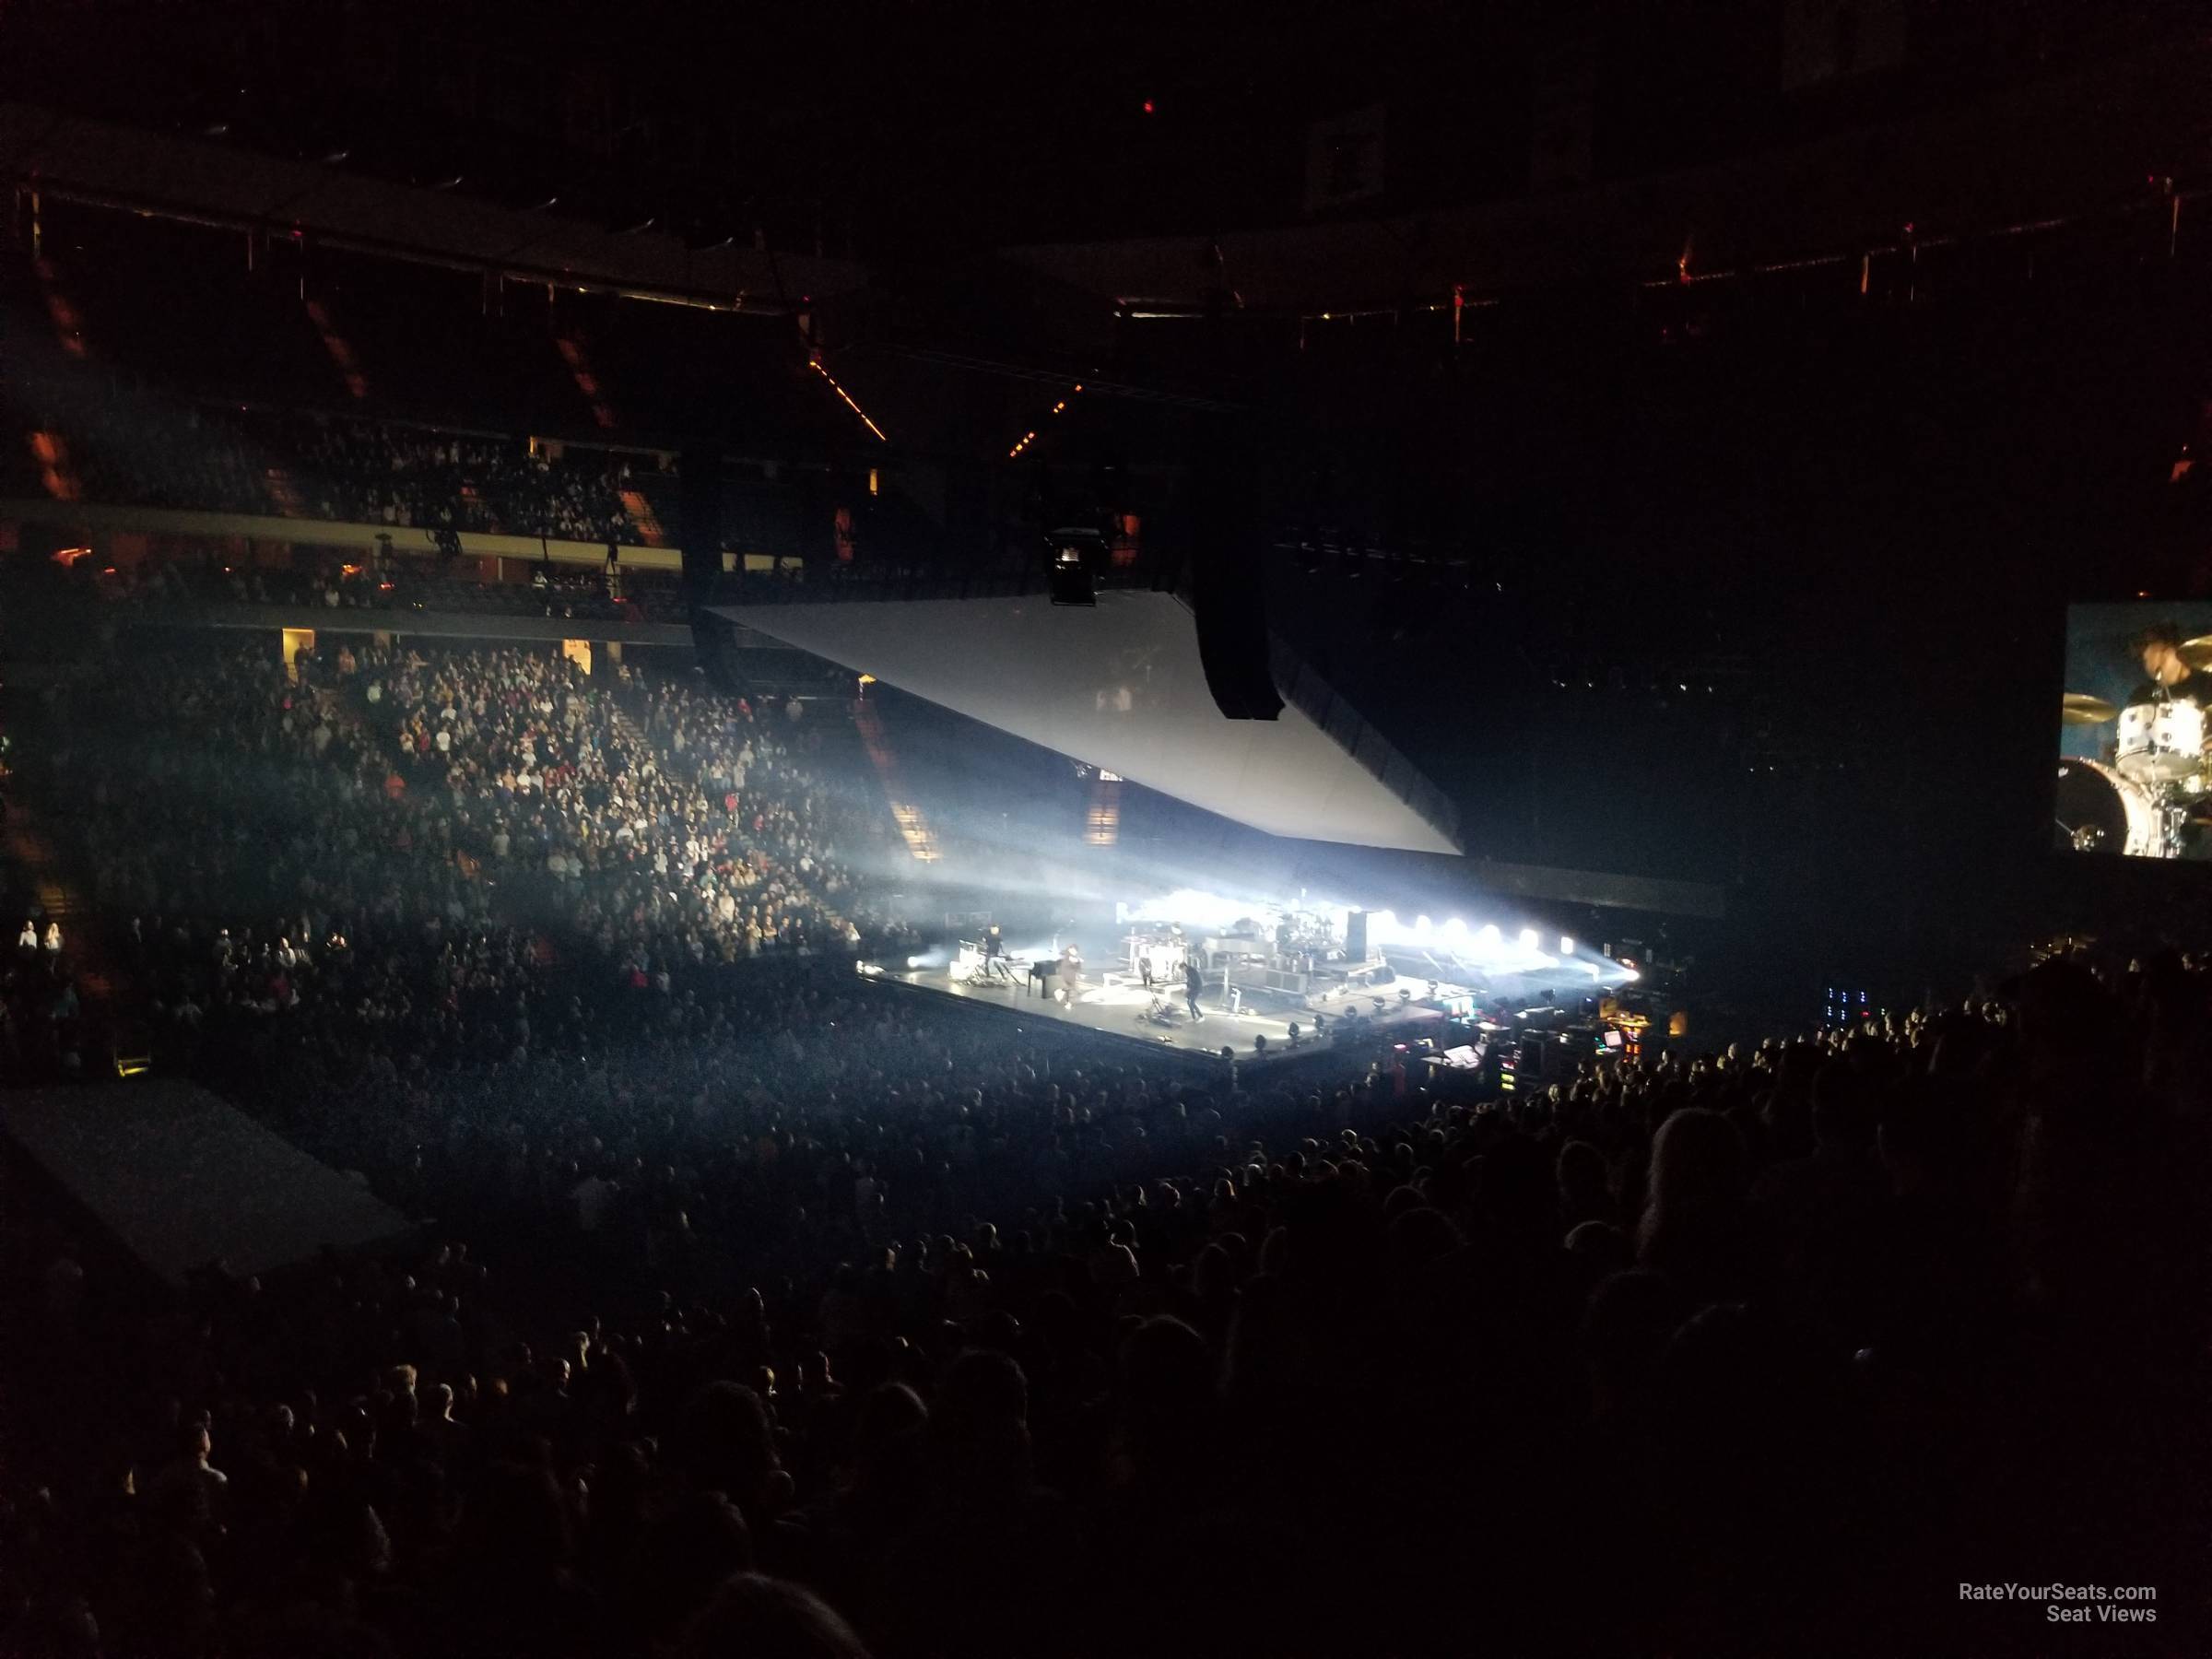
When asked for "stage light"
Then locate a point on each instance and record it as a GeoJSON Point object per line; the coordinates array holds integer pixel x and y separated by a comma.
{"type": "Point", "coordinates": [1074, 553]}
{"type": "Point", "coordinates": [1489, 935]}
{"type": "Point", "coordinates": [1528, 938]}
{"type": "Point", "coordinates": [1068, 582]}
{"type": "Point", "coordinates": [1422, 925]}
{"type": "Point", "coordinates": [1456, 928]}
{"type": "Point", "coordinates": [1566, 946]}
{"type": "Point", "coordinates": [915, 962]}
{"type": "Point", "coordinates": [815, 364]}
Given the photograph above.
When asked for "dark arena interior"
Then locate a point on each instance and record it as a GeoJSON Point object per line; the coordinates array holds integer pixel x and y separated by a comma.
{"type": "Point", "coordinates": [999, 832]}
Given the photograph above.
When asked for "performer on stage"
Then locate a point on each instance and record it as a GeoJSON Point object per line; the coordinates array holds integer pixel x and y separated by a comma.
{"type": "Point", "coordinates": [1192, 982]}
{"type": "Point", "coordinates": [2171, 680]}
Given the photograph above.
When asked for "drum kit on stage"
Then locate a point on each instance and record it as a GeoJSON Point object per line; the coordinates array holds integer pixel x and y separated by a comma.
{"type": "Point", "coordinates": [2158, 782]}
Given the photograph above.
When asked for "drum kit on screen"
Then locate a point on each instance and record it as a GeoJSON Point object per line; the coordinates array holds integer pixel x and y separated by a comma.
{"type": "Point", "coordinates": [2157, 783]}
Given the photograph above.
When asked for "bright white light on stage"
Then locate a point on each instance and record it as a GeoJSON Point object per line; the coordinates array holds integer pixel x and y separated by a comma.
{"type": "Point", "coordinates": [1455, 939]}
{"type": "Point", "coordinates": [1566, 946]}
{"type": "Point", "coordinates": [1192, 908]}
{"type": "Point", "coordinates": [1528, 938]}
{"type": "Point", "coordinates": [915, 962]}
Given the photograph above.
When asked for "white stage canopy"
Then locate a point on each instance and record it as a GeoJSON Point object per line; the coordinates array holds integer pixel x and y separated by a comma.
{"type": "Point", "coordinates": [1119, 686]}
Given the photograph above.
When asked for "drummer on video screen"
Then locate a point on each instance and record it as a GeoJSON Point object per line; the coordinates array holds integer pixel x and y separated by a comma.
{"type": "Point", "coordinates": [2171, 679]}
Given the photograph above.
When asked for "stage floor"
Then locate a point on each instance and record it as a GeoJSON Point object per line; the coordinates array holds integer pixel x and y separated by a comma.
{"type": "Point", "coordinates": [183, 1178]}
{"type": "Point", "coordinates": [1113, 1007]}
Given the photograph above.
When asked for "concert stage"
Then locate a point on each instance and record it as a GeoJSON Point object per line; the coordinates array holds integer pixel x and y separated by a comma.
{"type": "Point", "coordinates": [182, 1179]}
{"type": "Point", "coordinates": [1114, 1005]}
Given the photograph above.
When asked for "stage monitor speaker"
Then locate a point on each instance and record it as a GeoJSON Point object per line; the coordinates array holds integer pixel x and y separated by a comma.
{"type": "Point", "coordinates": [1355, 937]}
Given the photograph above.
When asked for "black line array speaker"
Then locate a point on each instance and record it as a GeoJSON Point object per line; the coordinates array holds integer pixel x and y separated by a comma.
{"type": "Point", "coordinates": [1355, 937]}
{"type": "Point", "coordinates": [701, 492]}
{"type": "Point", "coordinates": [1228, 595]}
{"type": "Point", "coordinates": [700, 495]}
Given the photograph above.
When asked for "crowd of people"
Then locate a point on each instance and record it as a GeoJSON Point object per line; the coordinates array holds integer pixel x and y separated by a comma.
{"type": "Point", "coordinates": [116, 444]}
{"type": "Point", "coordinates": [364, 473]}
{"type": "Point", "coordinates": [771, 1311]}
{"type": "Point", "coordinates": [313, 466]}
{"type": "Point", "coordinates": [43, 1024]}
{"type": "Point", "coordinates": [401, 585]}
{"type": "Point", "coordinates": [659, 827]}
{"type": "Point", "coordinates": [999, 1344]}
{"type": "Point", "coordinates": [403, 855]}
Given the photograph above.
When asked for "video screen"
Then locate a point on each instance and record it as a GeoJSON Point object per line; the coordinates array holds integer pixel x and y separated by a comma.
{"type": "Point", "coordinates": [2135, 777]}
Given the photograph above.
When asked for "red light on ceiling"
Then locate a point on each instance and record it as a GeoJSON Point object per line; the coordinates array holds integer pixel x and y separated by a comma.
{"type": "Point", "coordinates": [1150, 108]}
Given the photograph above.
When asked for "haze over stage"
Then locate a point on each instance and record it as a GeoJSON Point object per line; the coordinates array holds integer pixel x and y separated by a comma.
{"type": "Point", "coordinates": [1120, 685]}
{"type": "Point", "coordinates": [184, 1179]}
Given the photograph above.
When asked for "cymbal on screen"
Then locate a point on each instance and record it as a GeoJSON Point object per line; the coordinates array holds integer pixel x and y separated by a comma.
{"type": "Point", "coordinates": [2080, 709]}
{"type": "Point", "coordinates": [2196, 653]}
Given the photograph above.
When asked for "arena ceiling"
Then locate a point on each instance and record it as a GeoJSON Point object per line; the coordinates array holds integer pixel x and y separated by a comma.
{"type": "Point", "coordinates": [204, 182]}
